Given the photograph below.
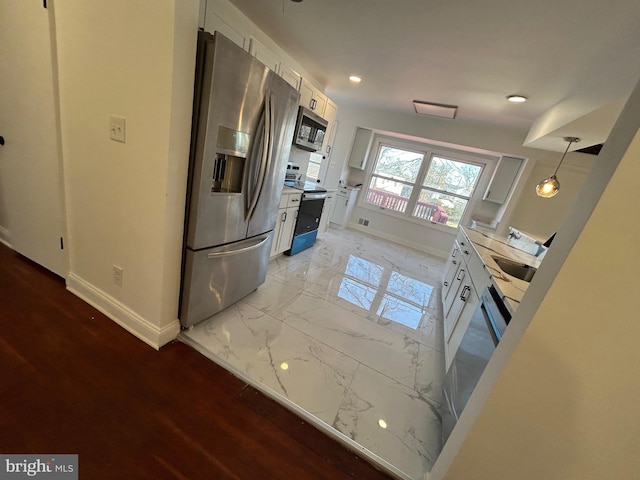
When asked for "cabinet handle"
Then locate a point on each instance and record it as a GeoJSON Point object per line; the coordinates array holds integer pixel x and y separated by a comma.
{"type": "Point", "coordinates": [466, 252]}
{"type": "Point", "coordinates": [446, 284]}
{"type": "Point", "coordinates": [455, 262]}
{"type": "Point", "coordinates": [455, 250]}
{"type": "Point", "coordinates": [461, 273]}
{"type": "Point", "coordinates": [464, 290]}
{"type": "Point", "coordinates": [284, 216]}
{"type": "Point", "coordinates": [295, 199]}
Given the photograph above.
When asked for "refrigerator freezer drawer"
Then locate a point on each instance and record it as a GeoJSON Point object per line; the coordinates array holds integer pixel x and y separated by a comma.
{"type": "Point", "coordinates": [218, 277]}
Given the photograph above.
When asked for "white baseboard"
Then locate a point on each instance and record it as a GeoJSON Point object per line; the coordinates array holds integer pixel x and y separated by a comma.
{"type": "Point", "coordinates": [123, 315]}
{"type": "Point", "coordinates": [400, 240]}
{"type": "Point", "coordinates": [4, 236]}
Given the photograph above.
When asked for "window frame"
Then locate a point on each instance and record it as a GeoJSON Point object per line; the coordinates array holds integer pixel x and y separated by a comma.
{"type": "Point", "coordinates": [428, 150]}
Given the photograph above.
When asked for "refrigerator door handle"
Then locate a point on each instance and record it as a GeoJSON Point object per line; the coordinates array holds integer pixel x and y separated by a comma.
{"type": "Point", "coordinates": [265, 161]}
{"type": "Point", "coordinates": [240, 250]}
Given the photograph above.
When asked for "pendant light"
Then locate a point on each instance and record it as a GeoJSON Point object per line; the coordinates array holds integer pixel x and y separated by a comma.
{"type": "Point", "coordinates": [549, 187]}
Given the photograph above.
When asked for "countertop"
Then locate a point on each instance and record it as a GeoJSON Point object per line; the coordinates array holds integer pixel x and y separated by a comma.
{"type": "Point", "coordinates": [487, 244]}
{"type": "Point", "coordinates": [286, 189]}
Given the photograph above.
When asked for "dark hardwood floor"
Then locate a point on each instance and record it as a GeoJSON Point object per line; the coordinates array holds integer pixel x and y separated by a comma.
{"type": "Point", "coordinates": [72, 381]}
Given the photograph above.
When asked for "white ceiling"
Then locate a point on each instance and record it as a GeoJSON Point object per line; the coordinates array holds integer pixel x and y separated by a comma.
{"type": "Point", "coordinates": [572, 58]}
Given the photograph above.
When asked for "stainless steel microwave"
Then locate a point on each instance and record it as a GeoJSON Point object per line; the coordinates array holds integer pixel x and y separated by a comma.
{"type": "Point", "coordinates": [310, 130]}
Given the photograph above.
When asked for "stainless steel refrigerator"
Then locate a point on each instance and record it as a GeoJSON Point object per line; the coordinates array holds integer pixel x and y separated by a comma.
{"type": "Point", "coordinates": [243, 122]}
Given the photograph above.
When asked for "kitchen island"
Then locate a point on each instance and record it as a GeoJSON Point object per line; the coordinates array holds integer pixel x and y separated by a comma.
{"type": "Point", "coordinates": [487, 244]}
{"type": "Point", "coordinates": [472, 268]}
{"type": "Point", "coordinates": [483, 285]}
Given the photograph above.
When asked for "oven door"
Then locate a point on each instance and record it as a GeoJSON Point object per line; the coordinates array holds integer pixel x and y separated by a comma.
{"type": "Point", "coordinates": [478, 344]}
{"type": "Point", "coordinates": [309, 213]}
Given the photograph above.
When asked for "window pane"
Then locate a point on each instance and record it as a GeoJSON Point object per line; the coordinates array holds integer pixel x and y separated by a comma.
{"type": "Point", "coordinates": [388, 194]}
{"type": "Point", "coordinates": [440, 208]}
{"type": "Point", "coordinates": [409, 289]}
{"type": "Point", "coordinates": [356, 293]}
{"type": "Point", "coordinates": [452, 176]}
{"type": "Point", "coordinates": [398, 164]}
{"type": "Point", "coordinates": [313, 171]}
{"type": "Point", "coordinates": [399, 311]}
{"type": "Point", "coordinates": [364, 270]}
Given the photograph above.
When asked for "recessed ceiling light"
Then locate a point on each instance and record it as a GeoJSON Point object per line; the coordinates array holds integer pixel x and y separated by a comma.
{"type": "Point", "coordinates": [355, 79]}
{"type": "Point", "coordinates": [517, 98]}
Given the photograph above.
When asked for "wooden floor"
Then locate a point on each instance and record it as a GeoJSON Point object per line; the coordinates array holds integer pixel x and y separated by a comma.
{"type": "Point", "coordinates": [72, 381]}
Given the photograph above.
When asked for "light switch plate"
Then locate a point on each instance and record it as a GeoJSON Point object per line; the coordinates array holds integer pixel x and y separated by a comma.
{"type": "Point", "coordinates": [117, 128]}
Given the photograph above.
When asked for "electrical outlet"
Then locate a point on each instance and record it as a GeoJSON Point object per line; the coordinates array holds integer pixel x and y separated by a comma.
{"type": "Point", "coordinates": [118, 273]}
{"type": "Point", "coordinates": [117, 128]}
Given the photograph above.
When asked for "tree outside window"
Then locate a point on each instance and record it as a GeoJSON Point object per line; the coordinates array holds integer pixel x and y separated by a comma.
{"type": "Point", "coordinates": [430, 187]}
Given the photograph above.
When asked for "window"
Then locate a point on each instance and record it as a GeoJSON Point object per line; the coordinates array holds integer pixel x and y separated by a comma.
{"type": "Point", "coordinates": [317, 167]}
{"type": "Point", "coordinates": [425, 185]}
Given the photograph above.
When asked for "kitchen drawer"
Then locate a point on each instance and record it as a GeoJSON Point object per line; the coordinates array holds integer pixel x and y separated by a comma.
{"type": "Point", "coordinates": [293, 200]}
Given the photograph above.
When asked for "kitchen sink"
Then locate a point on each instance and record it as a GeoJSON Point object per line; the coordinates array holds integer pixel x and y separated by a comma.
{"type": "Point", "coordinates": [515, 269]}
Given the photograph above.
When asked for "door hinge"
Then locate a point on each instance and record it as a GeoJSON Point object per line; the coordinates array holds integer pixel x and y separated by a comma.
{"type": "Point", "coordinates": [61, 243]}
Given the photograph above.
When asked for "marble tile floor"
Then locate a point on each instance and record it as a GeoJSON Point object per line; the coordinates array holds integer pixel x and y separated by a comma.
{"type": "Point", "coordinates": [349, 335]}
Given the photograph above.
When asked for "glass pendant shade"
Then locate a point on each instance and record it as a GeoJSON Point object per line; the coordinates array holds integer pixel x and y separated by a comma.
{"type": "Point", "coordinates": [548, 187]}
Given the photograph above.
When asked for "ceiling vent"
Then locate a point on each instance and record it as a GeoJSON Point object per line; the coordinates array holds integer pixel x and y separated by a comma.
{"type": "Point", "coordinates": [435, 109]}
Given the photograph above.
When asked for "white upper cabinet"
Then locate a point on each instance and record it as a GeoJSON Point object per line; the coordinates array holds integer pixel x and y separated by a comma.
{"type": "Point", "coordinates": [360, 148]}
{"type": "Point", "coordinates": [213, 23]}
{"type": "Point", "coordinates": [224, 17]}
{"type": "Point", "coordinates": [264, 55]}
{"type": "Point", "coordinates": [292, 77]}
{"type": "Point", "coordinates": [330, 114]}
{"type": "Point", "coordinates": [503, 179]}
{"type": "Point", "coordinates": [312, 98]}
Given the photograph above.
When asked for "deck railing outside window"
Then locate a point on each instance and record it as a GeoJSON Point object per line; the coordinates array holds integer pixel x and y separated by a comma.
{"type": "Point", "coordinates": [425, 211]}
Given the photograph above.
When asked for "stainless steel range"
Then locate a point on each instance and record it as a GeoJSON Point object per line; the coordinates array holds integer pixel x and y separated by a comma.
{"type": "Point", "coordinates": [306, 229]}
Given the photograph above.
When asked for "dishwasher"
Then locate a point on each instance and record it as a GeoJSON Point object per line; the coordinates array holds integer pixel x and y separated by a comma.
{"type": "Point", "coordinates": [485, 330]}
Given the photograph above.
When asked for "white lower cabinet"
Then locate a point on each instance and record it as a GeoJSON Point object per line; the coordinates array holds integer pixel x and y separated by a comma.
{"type": "Point", "coordinates": [287, 214]}
{"type": "Point", "coordinates": [460, 297]}
{"type": "Point", "coordinates": [345, 202]}
{"type": "Point", "coordinates": [327, 208]}
{"type": "Point", "coordinates": [456, 323]}
{"type": "Point", "coordinates": [456, 283]}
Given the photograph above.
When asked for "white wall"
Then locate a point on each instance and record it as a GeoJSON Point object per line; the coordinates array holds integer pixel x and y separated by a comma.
{"type": "Point", "coordinates": [543, 216]}
{"type": "Point", "coordinates": [559, 399]}
{"type": "Point", "coordinates": [126, 200]}
{"type": "Point", "coordinates": [501, 140]}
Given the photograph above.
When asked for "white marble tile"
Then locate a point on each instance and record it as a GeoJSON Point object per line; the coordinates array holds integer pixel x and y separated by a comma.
{"type": "Point", "coordinates": [392, 421]}
{"type": "Point", "coordinates": [272, 295]}
{"type": "Point", "coordinates": [430, 373]}
{"type": "Point", "coordinates": [358, 322]}
{"type": "Point", "coordinates": [393, 354]}
{"type": "Point", "coordinates": [303, 370]}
